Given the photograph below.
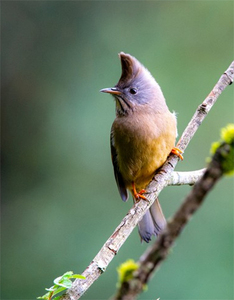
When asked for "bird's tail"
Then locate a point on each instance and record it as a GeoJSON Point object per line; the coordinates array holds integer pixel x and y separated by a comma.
{"type": "Point", "coordinates": [152, 222]}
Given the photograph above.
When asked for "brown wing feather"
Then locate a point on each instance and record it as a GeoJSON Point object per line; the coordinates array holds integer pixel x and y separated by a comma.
{"type": "Point", "coordinates": [118, 176]}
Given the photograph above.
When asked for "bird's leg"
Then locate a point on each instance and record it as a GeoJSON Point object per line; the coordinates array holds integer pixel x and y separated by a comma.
{"type": "Point", "coordinates": [138, 195]}
{"type": "Point", "coordinates": [177, 152]}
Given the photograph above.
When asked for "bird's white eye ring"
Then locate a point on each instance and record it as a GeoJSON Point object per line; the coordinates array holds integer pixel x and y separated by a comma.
{"type": "Point", "coordinates": [133, 91]}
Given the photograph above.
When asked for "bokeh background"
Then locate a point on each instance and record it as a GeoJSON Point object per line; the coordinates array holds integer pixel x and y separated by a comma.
{"type": "Point", "coordinates": [59, 198]}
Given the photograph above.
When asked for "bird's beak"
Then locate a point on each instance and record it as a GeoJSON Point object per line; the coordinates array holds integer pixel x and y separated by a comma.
{"type": "Point", "coordinates": [113, 91]}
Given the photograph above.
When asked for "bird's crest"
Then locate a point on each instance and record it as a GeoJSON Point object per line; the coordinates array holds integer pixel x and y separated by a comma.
{"type": "Point", "coordinates": [130, 68]}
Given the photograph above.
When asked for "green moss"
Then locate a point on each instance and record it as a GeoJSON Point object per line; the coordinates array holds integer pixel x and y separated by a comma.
{"type": "Point", "coordinates": [228, 162]}
{"type": "Point", "coordinates": [126, 269]}
{"type": "Point", "coordinates": [227, 137]}
{"type": "Point", "coordinates": [227, 134]}
{"type": "Point", "coordinates": [214, 147]}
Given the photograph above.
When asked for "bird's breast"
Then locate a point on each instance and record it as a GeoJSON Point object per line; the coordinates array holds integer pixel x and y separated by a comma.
{"type": "Point", "coordinates": [142, 144]}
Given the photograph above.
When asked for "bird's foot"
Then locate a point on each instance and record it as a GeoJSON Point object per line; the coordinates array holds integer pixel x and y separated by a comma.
{"type": "Point", "coordinates": [177, 152]}
{"type": "Point", "coordinates": [138, 195]}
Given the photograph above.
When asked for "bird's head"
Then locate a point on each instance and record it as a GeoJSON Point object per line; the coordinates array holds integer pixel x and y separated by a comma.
{"type": "Point", "coordinates": [136, 88]}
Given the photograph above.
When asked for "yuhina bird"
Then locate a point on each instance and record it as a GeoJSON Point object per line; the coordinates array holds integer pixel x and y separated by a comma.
{"type": "Point", "coordinates": [142, 136]}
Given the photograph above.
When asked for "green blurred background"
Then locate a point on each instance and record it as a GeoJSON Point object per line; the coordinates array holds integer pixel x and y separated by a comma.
{"type": "Point", "coordinates": [60, 201]}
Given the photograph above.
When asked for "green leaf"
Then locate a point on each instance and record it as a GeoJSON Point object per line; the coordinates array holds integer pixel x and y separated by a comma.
{"type": "Point", "coordinates": [67, 283]}
{"type": "Point", "coordinates": [57, 298]}
{"type": "Point", "coordinates": [58, 290]}
{"type": "Point", "coordinates": [78, 276]}
{"type": "Point", "coordinates": [43, 297]}
{"type": "Point", "coordinates": [46, 296]}
{"type": "Point", "coordinates": [61, 283]}
{"type": "Point", "coordinates": [67, 274]}
{"type": "Point", "coordinates": [51, 289]}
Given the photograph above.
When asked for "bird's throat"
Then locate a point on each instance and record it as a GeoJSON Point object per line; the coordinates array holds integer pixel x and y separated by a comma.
{"type": "Point", "coordinates": [122, 107]}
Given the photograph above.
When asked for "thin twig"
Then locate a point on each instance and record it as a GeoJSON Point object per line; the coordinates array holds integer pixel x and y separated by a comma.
{"type": "Point", "coordinates": [117, 239]}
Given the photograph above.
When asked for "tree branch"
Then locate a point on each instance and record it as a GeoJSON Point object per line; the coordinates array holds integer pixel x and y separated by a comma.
{"type": "Point", "coordinates": [182, 178]}
{"type": "Point", "coordinates": [160, 180]}
{"type": "Point", "coordinates": [158, 252]}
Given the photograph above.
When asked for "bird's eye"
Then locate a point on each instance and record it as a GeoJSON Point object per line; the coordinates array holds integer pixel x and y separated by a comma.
{"type": "Point", "coordinates": [133, 91]}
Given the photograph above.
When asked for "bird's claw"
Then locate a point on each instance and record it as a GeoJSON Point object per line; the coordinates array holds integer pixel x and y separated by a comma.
{"type": "Point", "coordinates": [138, 195]}
{"type": "Point", "coordinates": [177, 152]}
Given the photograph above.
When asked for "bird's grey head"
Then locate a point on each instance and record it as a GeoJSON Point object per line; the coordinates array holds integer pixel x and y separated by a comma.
{"type": "Point", "coordinates": [135, 88]}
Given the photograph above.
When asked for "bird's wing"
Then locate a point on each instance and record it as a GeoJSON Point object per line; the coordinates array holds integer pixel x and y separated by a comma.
{"type": "Point", "coordinates": [118, 176]}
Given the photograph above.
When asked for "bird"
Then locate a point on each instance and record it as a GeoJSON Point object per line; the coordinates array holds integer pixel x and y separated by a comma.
{"type": "Point", "coordinates": [142, 136]}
